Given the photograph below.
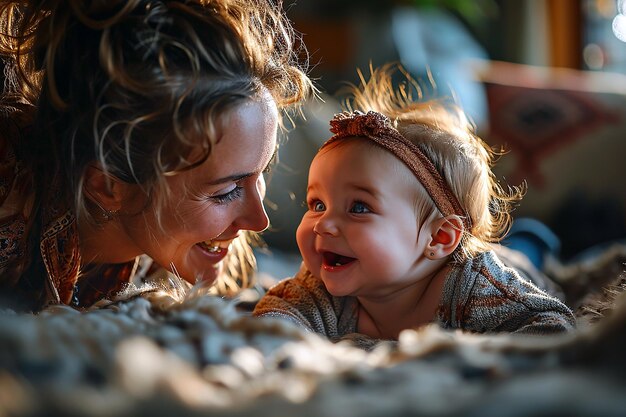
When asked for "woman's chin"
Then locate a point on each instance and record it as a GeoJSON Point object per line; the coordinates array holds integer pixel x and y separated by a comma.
{"type": "Point", "coordinates": [200, 273]}
{"type": "Point", "coordinates": [204, 267]}
{"type": "Point", "coordinates": [208, 275]}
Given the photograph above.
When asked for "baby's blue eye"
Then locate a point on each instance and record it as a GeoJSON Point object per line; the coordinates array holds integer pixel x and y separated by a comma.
{"type": "Point", "coordinates": [359, 208]}
{"type": "Point", "coordinates": [319, 206]}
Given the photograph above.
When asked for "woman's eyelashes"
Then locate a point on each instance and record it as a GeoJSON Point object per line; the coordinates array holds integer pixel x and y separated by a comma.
{"type": "Point", "coordinates": [227, 197]}
{"type": "Point", "coordinates": [224, 195]}
{"type": "Point", "coordinates": [236, 190]}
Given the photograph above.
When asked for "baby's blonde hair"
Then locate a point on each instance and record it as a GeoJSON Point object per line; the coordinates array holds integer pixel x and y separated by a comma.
{"type": "Point", "coordinates": [446, 136]}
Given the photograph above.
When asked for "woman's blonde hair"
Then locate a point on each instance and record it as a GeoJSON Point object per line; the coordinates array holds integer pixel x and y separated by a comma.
{"type": "Point", "coordinates": [446, 136]}
{"type": "Point", "coordinates": [137, 85]}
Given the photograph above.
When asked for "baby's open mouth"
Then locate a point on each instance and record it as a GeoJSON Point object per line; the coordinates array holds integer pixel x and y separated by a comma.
{"type": "Point", "coordinates": [334, 259]}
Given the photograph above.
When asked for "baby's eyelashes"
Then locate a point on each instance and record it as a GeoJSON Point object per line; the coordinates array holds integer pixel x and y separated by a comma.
{"type": "Point", "coordinates": [359, 208]}
{"type": "Point", "coordinates": [318, 206]}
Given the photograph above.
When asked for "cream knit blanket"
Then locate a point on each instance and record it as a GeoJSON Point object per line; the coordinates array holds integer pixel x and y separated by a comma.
{"type": "Point", "coordinates": [156, 356]}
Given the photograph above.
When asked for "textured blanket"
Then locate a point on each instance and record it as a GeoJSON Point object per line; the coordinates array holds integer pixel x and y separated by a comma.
{"type": "Point", "coordinates": [157, 356]}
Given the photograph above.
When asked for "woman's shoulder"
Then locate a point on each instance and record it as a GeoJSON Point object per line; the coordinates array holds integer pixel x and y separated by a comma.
{"type": "Point", "coordinates": [15, 123]}
{"type": "Point", "coordinates": [15, 119]}
{"type": "Point", "coordinates": [15, 185]}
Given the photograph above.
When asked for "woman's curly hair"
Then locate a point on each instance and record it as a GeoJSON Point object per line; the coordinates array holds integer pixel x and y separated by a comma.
{"type": "Point", "coordinates": [137, 85]}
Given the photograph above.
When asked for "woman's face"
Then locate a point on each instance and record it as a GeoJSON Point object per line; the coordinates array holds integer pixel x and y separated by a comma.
{"type": "Point", "coordinates": [209, 205]}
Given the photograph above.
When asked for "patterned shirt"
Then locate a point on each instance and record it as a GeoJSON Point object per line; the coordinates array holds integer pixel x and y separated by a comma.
{"type": "Point", "coordinates": [39, 249]}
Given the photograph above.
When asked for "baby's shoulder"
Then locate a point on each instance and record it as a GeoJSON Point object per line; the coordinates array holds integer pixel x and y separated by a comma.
{"type": "Point", "coordinates": [301, 285]}
{"type": "Point", "coordinates": [485, 280]}
{"type": "Point", "coordinates": [483, 266]}
{"type": "Point", "coordinates": [492, 275]}
{"type": "Point", "coordinates": [303, 299]}
{"type": "Point", "coordinates": [490, 296]}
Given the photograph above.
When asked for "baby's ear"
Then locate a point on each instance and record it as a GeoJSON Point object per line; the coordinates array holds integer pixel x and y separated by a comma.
{"type": "Point", "coordinates": [446, 233]}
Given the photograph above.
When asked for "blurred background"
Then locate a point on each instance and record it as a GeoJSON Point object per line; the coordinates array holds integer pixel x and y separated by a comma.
{"type": "Point", "coordinates": [543, 79]}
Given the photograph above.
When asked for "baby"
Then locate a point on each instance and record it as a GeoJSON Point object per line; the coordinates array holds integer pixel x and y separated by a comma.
{"type": "Point", "coordinates": [402, 211]}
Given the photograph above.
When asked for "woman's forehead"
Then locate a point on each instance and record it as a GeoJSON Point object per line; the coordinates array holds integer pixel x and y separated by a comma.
{"type": "Point", "coordinates": [247, 140]}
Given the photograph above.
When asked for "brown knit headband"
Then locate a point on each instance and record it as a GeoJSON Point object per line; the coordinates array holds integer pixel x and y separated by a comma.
{"type": "Point", "coordinates": [378, 128]}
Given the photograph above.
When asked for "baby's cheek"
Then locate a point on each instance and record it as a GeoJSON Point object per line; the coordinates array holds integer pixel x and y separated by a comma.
{"type": "Point", "coordinates": [379, 250]}
{"type": "Point", "coordinates": [303, 236]}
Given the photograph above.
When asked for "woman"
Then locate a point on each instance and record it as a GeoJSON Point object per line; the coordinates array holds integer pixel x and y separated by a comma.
{"type": "Point", "coordinates": [135, 128]}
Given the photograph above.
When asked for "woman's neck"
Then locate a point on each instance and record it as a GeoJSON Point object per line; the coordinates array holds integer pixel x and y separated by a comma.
{"type": "Point", "coordinates": [410, 307]}
{"type": "Point", "coordinates": [101, 244]}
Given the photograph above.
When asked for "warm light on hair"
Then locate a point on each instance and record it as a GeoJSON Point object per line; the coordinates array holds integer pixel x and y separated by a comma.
{"type": "Point", "coordinates": [137, 87]}
{"type": "Point", "coordinates": [442, 131]}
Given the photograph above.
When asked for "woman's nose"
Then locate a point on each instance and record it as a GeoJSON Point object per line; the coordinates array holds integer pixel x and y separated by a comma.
{"type": "Point", "coordinates": [259, 220]}
{"type": "Point", "coordinates": [326, 225]}
{"type": "Point", "coordinates": [254, 216]}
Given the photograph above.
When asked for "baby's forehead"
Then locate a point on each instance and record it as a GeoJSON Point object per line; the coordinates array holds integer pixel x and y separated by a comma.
{"type": "Point", "coordinates": [354, 147]}
{"type": "Point", "coordinates": [351, 143]}
{"type": "Point", "coordinates": [364, 155]}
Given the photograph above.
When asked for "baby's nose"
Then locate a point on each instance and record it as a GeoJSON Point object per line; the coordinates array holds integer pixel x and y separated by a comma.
{"type": "Point", "coordinates": [326, 225]}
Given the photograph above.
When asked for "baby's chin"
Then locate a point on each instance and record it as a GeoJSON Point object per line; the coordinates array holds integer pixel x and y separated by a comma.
{"type": "Point", "coordinates": [337, 292]}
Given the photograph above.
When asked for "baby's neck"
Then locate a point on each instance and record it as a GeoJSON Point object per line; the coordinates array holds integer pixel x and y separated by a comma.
{"type": "Point", "coordinates": [411, 307]}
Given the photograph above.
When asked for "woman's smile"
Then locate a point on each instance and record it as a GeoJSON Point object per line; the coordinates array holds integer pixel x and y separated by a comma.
{"type": "Point", "coordinates": [197, 232]}
{"type": "Point", "coordinates": [216, 250]}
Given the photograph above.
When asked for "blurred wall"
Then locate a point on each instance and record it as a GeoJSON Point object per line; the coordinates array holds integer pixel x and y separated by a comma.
{"type": "Point", "coordinates": [574, 179]}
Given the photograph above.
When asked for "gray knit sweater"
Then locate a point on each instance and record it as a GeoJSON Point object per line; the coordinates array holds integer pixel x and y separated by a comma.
{"type": "Point", "coordinates": [481, 295]}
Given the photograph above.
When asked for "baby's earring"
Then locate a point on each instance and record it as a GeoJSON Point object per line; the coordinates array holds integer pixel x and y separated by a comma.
{"type": "Point", "coordinates": [432, 254]}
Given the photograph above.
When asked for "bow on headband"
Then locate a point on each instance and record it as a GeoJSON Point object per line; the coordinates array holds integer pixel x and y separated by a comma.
{"type": "Point", "coordinates": [378, 128]}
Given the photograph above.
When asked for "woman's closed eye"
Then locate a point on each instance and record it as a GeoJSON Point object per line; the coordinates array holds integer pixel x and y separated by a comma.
{"type": "Point", "coordinates": [359, 207]}
{"type": "Point", "coordinates": [228, 196]}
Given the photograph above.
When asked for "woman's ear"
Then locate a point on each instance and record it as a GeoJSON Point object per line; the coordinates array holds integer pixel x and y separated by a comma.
{"type": "Point", "coordinates": [446, 234]}
{"type": "Point", "coordinates": [102, 189]}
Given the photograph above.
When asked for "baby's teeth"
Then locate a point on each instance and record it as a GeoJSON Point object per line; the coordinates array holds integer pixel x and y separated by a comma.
{"type": "Point", "coordinates": [214, 248]}
{"type": "Point", "coordinates": [337, 264]}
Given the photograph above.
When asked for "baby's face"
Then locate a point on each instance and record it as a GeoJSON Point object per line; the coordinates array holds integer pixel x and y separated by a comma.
{"type": "Point", "coordinates": [360, 234]}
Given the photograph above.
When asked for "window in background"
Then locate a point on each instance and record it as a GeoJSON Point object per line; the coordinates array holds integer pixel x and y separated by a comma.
{"type": "Point", "coordinates": [604, 35]}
